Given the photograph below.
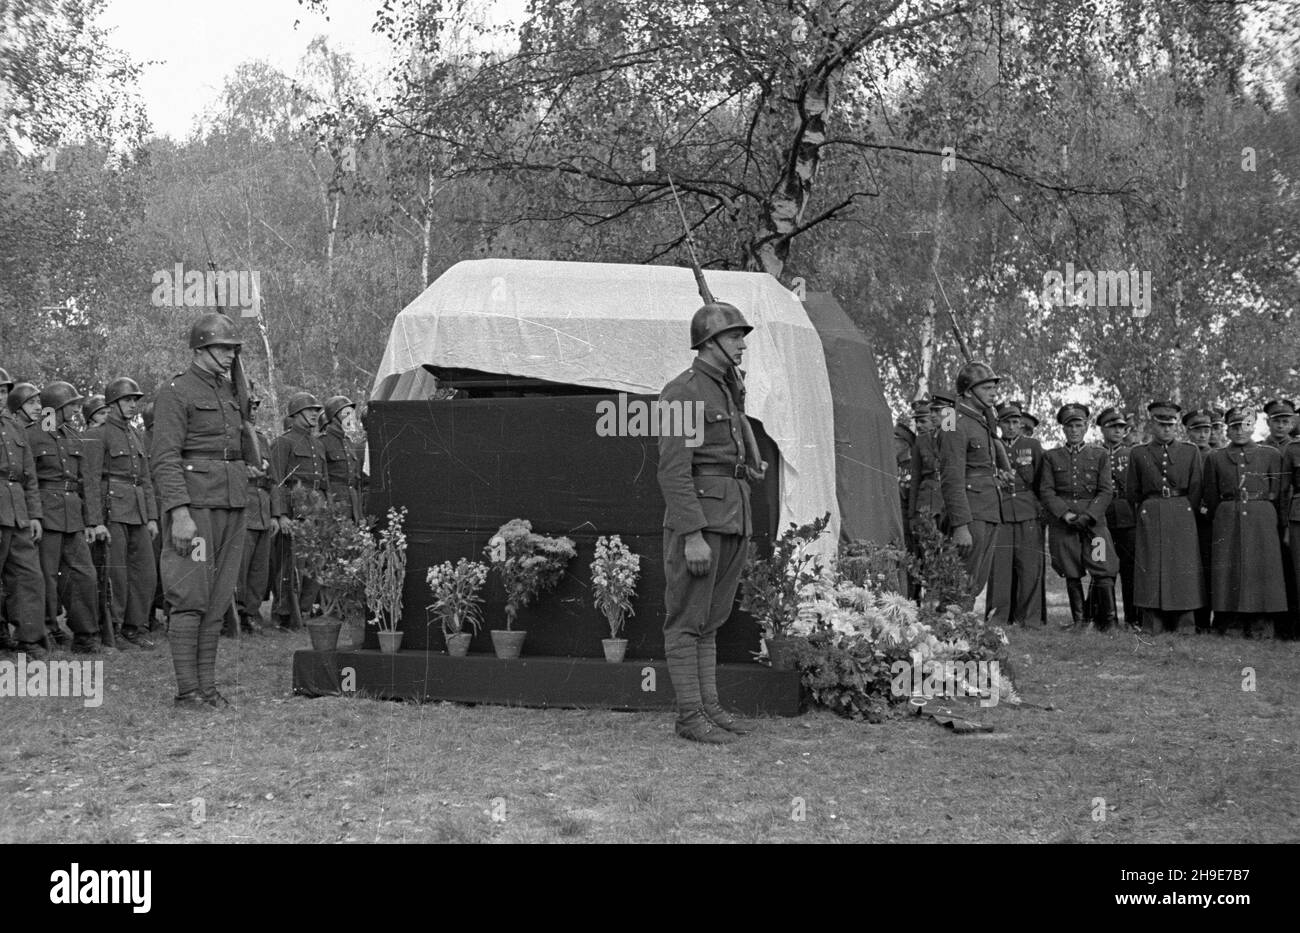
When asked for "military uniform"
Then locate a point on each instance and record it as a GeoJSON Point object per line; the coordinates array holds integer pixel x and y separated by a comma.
{"type": "Point", "coordinates": [197, 459]}
{"type": "Point", "coordinates": [66, 470]}
{"type": "Point", "coordinates": [265, 505]}
{"type": "Point", "coordinates": [1076, 479]}
{"type": "Point", "coordinates": [343, 465]}
{"type": "Point", "coordinates": [926, 499]}
{"type": "Point", "coordinates": [20, 565]}
{"type": "Point", "coordinates": [1164, 487]}
{"type": "Point", "coordinates": [1281, 420]}
{"type": "Point", "coordinates": [1243, 483]}
{"type": "Point", "coordinates": [1120, 520]}
{"type": "Point", "coordinates": [969, 456]}
{"type": "Point", "coordinates": [129, 506]}
{"type": "Point", "coordinates": [1016, 580]}
{"type": "Point", "coordinates": [1199, 424]}
{"type": "Point", "coordinates": [904, 445]}
{"type": "Point", "coordinates": [297, 460]}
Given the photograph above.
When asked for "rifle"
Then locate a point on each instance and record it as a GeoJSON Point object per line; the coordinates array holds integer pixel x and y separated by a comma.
{"type": "Point", "coordinates": [952, 316]}
{"type": "Point", "coordinates": [99, 555]}
{"type": "Point", "coordinates": [247, 428]}
{"type": "Point", "coordinates": [756, 461]}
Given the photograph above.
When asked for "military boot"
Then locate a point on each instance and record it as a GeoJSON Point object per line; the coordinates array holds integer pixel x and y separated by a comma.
{"type": "Point", "coordinates": [692, 723]}
{"type": "Point", "coordinates": [707, 652]}
{"type": "Point", "coordinates": [1074, 589]}
{"type": "Point", "coordinates": [1103, 602]}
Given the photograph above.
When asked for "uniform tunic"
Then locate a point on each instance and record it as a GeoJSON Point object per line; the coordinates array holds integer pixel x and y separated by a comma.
{"type": "Point", "coordinates": [1016, 580]}
{"type": "Point", "coordinates": [969, 456]}
{"type": "Point", "coordinates": [1077, 479]}
{"type": "Point", "coordinates": [129, 505]}
{"type": "Point", "coordinates": [1120, 522]}
{"type": "Point", "coordinates": [705, 489]}
{"type": "Point", "coordinates": [1164, 487]}
{"type": "Point", "coordinates": [1242, 487]}
{"type": "Point", "coordinates": [297, 461]}
{"type": "Point", "coordinates": [927, 495]}
{"type": "Point", "coordinates": [343, 469]}
{"type": "Point", "coordinates": [264, 504]}
{"type": "Point", "coordinates": [20, 503]}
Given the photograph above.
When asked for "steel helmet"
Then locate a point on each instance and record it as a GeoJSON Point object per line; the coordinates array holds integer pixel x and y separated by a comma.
{"type": "Point", "coordinates": [20, 393]}
{"type": "Point", "coordinates": [120, 388]}
{"type": "Point", "coordinates": [5, 380]}
{"type": "Point", "coordinates": [974, 374]}
{"type": "Point", "coordinates": [57, 394]}
{"type": "Point", "coordinates": [301, 401]}
{"type": "Point", "coordinates": [714, 318]}
{"type": "Point", "coordinates": [214, 329]}
{"type": "Point", "coordinates": [335, 404]}
{"type": "Point", "coordinates": [92, 404]}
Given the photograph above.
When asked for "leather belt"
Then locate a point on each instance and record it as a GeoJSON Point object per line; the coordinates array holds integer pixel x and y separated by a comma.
{"type": "Point", "coordinates": [129, 480]}
{"type": "Point", "coordinates": [58, 484]}
{"type": "Point", "coordinates": [1168, 493]}
{"type": "Point", "coordinates": [15, 477]}
{"type": "Point", "coordinates": [226, 454]}
{"type": "Point", "coordinates": [261, 482]}
{"type": "Point", "coordinates": [1233, 497]}
{"type": "Point", "coordinates": [736, 471]}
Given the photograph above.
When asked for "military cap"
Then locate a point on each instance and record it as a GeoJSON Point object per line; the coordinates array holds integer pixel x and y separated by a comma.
{"type": "Point", "coordinates": [1072, 411]}
{"type": "Point", "coordinates": [1164, 412]}
{"type": "Point", "coordinates": [1217, 415]}
{"type": "Point", "coordinates": [1032, 419]}
{"type": "Point", "coordinates": [1197, 418]}
{"type": "Point", "coordinates": [1278, 407]}
{"type": "Point", "coordinates": [1241, 414]}
{"type": "Point", "coordinates": [1111, 416]}
{"type": "Point", "coordinates": [1008, 410]}
{"type": "Point", "coordinates": [940, 400]}
{"type": "Point", "coordinates": [920, 408]}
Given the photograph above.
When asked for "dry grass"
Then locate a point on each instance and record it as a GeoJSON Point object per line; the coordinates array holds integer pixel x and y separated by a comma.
{"type": "Point", "coordinates": [1163, 732]}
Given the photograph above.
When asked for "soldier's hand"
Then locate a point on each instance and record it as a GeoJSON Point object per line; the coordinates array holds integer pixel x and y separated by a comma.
{"type": "Point", "coordinates": [1069, 518]}
{"type": "Point", "coordinates": [183, 531]}
{"type": "Point", "coordinates": [89, 535]}
{"type": "Point", "coordinates": [962, 540]}
{"type": "Point", "coordinates": [101, 533]}
{"type": "Point", "coordinates": [37, 531]}
{"type": "Point", "coordinates": [153, 529]}
{"type": "Point", "coordinates": [757, 476]}
{"type": "Point", "coordinates": [699, 557]}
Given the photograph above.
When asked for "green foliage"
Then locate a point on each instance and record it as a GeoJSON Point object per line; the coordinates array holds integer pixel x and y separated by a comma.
{"type": "Point", "coordinates": [383, 563]}
{"type": "Point", "coordinates": [770, 586]}
{"type": "Point", "coordinates": [330, 548]}
{"type": "Point", "coordinates": [457, 594]}
{"type": "Point", "coordinates": [529, 564]}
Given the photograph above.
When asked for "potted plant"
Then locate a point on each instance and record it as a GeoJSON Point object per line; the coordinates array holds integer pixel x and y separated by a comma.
{"type": "Point", "coordinates": [457, 601]}
{"type": "Point", "coordinates": [770, 587]}
{"type": "Point", "coordinates": [614, 573]}
{"type": "Point", "coordinates": [530, 565]}
{"type": "Point", "coordinates": [328, 548]}
{"type": "Point", "coordinates": [384, 571]}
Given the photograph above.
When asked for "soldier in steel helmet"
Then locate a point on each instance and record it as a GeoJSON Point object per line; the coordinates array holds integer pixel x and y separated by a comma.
{"type": "Point", "coordinates": [1164, 487]}
{"type": "Point", "coordinates": [263, 519]}
{"type": "Point", "coordinates": [1076, 489]}
{"type": "Point", "coordinates": [94, 412]}
{"type": "Point", "coordinates": [707, 521]}
{"type": "Point", "coordinates": [131, 513]}
{"type": "Point", "coordinates": [21, 579]}
{"type": "Point", "coordinates": [971, 461]}
{"type": "Point", "coordinates": [66, 472]}
{"type": "Point", "coordinates": [197, 455]}
{"type": "Point", "coordinates": [298, 459]}
{"type": "Point", "coordinates": [342, 458]}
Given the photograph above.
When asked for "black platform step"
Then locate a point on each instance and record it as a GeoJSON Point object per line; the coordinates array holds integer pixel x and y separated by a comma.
{"type": "Point", "coordinates": [575, 683]}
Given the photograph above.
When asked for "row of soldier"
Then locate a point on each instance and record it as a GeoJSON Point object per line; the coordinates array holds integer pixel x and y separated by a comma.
{"type": "Point", "coordinates": [79, 514]}
{"type": "Point", "coordinates": [1197, 532]}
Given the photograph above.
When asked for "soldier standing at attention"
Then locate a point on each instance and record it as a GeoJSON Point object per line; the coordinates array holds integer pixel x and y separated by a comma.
{"type": "Point", "coordinates": [904, 444]}
{"type": "Point", "coordinates": [1243, 483]}
{"type": "Point", "coordinates": [1016, 581]}
{"type": "Point", "coordinates": [202, 481]}
{"type": "Point", "coordinates": [1164, 486]}
{"type": "Point", "coordinates": [1119, 514]}
{"type": "Point", "coordinates": [1218, 428]}
{"type": "Point", "coordinates": [971, 458]}
{"type": "Point", "coordinates": [342, 459]}
{"type": "Point", "coordinates": [67, 474]}
{"type": "Point", "coordinates": [297, 460]}
{"type": "Point", "coordinates": [130, 511]}
{"type": "Point", "coordinates": [262, 525]}
{"type": "Point", "coordinates": [1281, 421]}
{"type": "Point", "coordinates": [926, 500]}
{"type": "Point", "coordinates": [1286, 626]}
{"type": "Point", "coordinates": [94, 412]}
{"type": "Point", "coordinates": [1076, 489]}
{"type": "Point", "coordinates": [21, 579]}
{"type": "Point", "coordinates": [1028, 425]}
{"type": "Point", "coordinates": [1199, 424]}
{"type": "Point", "coordinates": [707, 520]}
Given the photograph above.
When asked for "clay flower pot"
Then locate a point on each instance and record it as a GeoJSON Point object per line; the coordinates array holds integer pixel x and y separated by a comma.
{"type": "Point", "coordinates": [324, 633]}
{"type": "Point", "coordinates": [507, 643]}
{"type": "Point", "coordinates": [615, 649]}
{"type": "Point", "coordinates": [458, 644]}
{"type": "Point", "coordinates": [389, 642]}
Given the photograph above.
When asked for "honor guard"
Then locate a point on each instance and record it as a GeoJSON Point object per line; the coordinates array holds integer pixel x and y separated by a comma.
{"type": "Point", "coordinates": [1120, 519]}
{"type": "Point", "coordinates": [298, 460]}
{"type": "Point", "coordinates": [67, 474]}
{"type": "Point", "coordinates": [1199, 425]}
{"type": "Point", "coordinates": [199, 470]}
{"type": "Point", "coordinates": [970, 460]}
{"type": "Point", "coordinates": [1164, 487]}
{"type": "Point", "coordinates": [94, 412]}
{"type": "Point", "coordinates": [904, 445]}
{"type": "Point", "coordinates": [1281, 421]}
{"type": "Point", "coordinates": [707, 520]}
{"type": "Point", "coordinates": [130, 512]}
{"type": "Point", "coordinates": [1016, 580]}
{"type": "Point", "coordinates": [1243, 483]}
{"type": "Point", "coordinates": [1076, 489]}
{"type": "Point", "coordinates": [262, 525]}
{"type": "Point", "coordinates": [926, 499]}
{"type": "Point", "coordinates": [342, 458]}
{"type": "Point", "coordinates": [21, 579]}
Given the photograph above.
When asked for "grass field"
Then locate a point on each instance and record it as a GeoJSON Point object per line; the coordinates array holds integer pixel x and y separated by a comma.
{"type": "Point", "coordinates": [1161, 730]}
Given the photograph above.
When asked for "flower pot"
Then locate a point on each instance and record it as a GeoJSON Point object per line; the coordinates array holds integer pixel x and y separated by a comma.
{"type": "Point", "coordinates": [324, 633]}
{"type": "Point", "coordinates": [389, 642]}
{"type": "Point", "coordinates": [506, 643]}
{"type": "Point", "coordinates": [780, 651]}
{"type": "Point", "coordinates": [352, 634]}
{"type": "Point", "coordinates": [615, 649]}
{"type": "Point", "coordinates": [458, 644]}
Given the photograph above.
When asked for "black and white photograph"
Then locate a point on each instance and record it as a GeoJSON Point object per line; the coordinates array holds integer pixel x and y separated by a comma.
{"type": "Point", "coordinates": [650, 421]}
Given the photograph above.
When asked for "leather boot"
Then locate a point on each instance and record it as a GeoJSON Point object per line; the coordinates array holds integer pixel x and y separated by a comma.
{"type": "Point", "coordinates": [1103, 601]}
{"type": "Point", "coordinates": [1074, 589]}
{"type": "Point", "coordinates": [692, 723]}
{"type": "Point", "coordinates": [707, 652]}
